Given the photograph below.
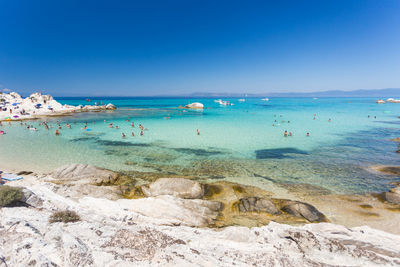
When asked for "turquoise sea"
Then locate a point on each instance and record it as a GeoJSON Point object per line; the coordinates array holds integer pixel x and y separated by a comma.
{"type": "Point", "coordinates": [244, 141]}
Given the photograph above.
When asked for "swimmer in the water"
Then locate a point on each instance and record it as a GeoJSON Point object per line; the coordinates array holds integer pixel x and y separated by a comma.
{"type": "Point", "coordinates": [198, 132]}
{"type": "Point", "coordinates": [133, 124]}
{"type": "Point", "coordinates": [329, 120]}
{"type": "Point", "coordinates": [123, 135]}
{"type": "Point", "coordinates": [290, 133]}
{"type": "Point", "coordinates": [308, 134]}
{"type": "Point", "coordinates": [116, 127]}
{"type": "Point", "coordinates": [57, 132]}
{"type": "Point", "coordinates": [141, 133]}
{"type": "Point", "coordinates": [133, 134]}
{"type": "Point", "coordinates": [285, 134]}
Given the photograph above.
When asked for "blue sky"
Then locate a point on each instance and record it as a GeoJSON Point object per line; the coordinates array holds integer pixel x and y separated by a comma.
{"type": "Point", "coordinates": [177, 47]}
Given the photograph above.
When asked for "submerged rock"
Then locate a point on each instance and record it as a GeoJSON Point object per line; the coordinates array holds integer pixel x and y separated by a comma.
{"type": "Point", "coordinates": [83, 173]}
{"type": "Point", "coordinates": [391, 197]}
{"type": "Point", "coordinates": [392, 170]}
{"type": "Point", "coordinates": [179, 187]}
{"type": "Point", "coordinates": [301, 209]}
{"type": "Point", "coordinates": [258, 205]}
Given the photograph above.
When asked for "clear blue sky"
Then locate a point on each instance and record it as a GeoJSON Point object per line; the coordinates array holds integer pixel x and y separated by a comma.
{"type": "Point", "coordinates": [175, 47]}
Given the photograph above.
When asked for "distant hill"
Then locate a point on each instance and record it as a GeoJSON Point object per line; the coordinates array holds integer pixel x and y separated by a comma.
{"type": "Point", "coordinates": [379, 93]}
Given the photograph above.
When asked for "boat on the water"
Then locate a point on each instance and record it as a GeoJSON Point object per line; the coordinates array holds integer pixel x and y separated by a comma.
{"type": "Point", "coordinates": [392, 100]}
{"type": "Point", "coordinates": [380, 101]}
{"type": "Point", "coordinates": [242, 100]}
{"type": "Point", "coordinates": [223, 103]}
{"type": "Point", "coordinates": [265, 99]}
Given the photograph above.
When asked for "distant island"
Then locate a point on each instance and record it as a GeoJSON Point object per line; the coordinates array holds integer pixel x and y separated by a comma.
{"type": "Point", "coordinates": [380, 93]}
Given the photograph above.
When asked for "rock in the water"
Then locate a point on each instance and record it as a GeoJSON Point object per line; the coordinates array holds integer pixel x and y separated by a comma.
{"type": "Point", "coordinates": [257, 205]}
{"type": "Point", "coordinates": [304, 210]}
{"type": "Point", "coordinates": [83, 173]}
{"type": "Point", "coordinates": [391, 197]}
{"type": "Point", "coordinates": [179, 187]}
{"type": "Point", "coordinates": [111, 106]}
{"type": "Point", "coordinates": [392, 170]}
{"type": "Point", "coordinates": [396, 190]}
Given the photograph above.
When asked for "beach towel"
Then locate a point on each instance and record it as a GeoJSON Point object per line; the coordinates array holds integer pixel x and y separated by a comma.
{"type": "Point", "coordinates": [10, 177]}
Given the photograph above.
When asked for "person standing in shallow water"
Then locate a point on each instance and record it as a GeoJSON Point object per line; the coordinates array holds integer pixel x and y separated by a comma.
{"type": "Point", "coordinates": [198, 132]}
{"type": "Point", "coordinates": [285, 134]}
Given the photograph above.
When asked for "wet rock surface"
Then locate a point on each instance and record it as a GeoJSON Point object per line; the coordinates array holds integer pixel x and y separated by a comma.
{"type": "Point", "coordinates": [258, 205]}
{"type": "Point", "coordinates": [301, 209]}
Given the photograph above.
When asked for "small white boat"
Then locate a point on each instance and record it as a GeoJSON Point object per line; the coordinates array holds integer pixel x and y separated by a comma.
{"type": "Point", "coordinates": [392, 100]}
{"type": "Point", "coordinates": [380, 101]}
{"type": "Point", "coordinates": [224, 103]}
{"type": "Point", "coordinates": [242, 100]}
{"type": "Point", "coordinates": [265, 99]}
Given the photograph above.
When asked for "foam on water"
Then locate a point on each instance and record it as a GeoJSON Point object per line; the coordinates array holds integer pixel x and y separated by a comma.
{"type": "Point", "coordinates": [244, 140]}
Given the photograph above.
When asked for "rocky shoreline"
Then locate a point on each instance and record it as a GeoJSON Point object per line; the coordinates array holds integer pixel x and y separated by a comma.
{"type": "Point", "coordinates": [167, 222]}
{"type": "Point", "coordinates": [15, 108]}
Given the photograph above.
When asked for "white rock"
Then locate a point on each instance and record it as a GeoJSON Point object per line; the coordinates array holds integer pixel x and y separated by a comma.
{"type": "Point", "coordinates": [179, 187]}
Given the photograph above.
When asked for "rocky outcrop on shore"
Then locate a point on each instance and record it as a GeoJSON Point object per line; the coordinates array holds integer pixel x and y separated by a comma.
{"type": "Point", "coordinates": [183, 188]}
{"type": "Point", "coordinates": [393, 196]}
{"type": "Point", "coordinates": [110, 235]}
{"type": "Point", "coordinates": [14, 107]}
{"type": "Point", "coordinates": [169, 227]}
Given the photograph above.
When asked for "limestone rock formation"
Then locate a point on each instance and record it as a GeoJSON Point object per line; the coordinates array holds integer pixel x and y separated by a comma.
{"type": "Point", "coordinates": [176, 211]}
{"type": "Point", "coordinates": [83, 173]}
{"type": "Point", "coordinates": [258, 205]}
{"type": "Point", "coordinates": [301, 209]}
{"type": "Point", "coordinates": [179, 187]}
{"type": "Point", "coordinates": [391, 197]}
{"type": "Point", "coordinates": [111, 106]}
{"type": "Point", "coordinates": [31, 198]}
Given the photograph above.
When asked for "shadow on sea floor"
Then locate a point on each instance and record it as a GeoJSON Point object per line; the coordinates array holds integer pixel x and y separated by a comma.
{"type": "Point", "coordinates": [278, 153]}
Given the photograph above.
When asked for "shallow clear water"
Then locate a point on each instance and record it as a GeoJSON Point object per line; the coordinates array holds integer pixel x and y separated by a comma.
{"type": "Point", "coordinates": [245, 140]}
